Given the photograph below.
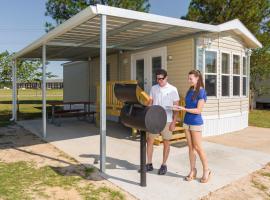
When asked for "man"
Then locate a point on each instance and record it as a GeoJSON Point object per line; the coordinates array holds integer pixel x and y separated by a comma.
{"type": "Point", "coordinates": [163, 94]}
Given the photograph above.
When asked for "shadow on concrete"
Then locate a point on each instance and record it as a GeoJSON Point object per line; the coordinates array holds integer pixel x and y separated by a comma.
{"type": "Point", "coordinates": [115, 163]}
{"type": "Point", "coordinates": [72, 128]}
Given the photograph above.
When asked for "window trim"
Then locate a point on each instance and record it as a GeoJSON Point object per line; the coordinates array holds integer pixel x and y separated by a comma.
{"type": "Point", "coordinates": [244, 56]}
{"type": "Point", "coordinates": [230, 74]}
{"type": "Point", "coordinates": [246, 76]}
{"type": "Point", "coordinates": [239, 75]}
{"type": "Point", "coordinates": [217, 70]}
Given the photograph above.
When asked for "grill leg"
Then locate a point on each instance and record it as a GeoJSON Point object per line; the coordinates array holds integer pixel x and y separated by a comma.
{"type": "Point", "coordinates": [143, 158]}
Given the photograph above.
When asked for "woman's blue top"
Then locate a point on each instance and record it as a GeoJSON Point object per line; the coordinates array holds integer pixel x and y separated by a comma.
{"type": "Point", "coordinates": [190, 118]}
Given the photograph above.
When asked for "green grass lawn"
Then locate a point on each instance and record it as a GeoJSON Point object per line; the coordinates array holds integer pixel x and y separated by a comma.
{"type": "Point", "coordinates": [30, 104]}
{"type": "Point", "coordinates": [33, 181]}
{"type": "Point", "coordinates": [260, 118]}
{"type": "Point", "coordinates": [32, 92]}
{"type": "Point", "coordinates": [24, 180]}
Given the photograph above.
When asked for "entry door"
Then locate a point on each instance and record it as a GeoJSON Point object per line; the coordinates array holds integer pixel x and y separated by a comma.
{"type": "Point", "coordinates": [144, 66]}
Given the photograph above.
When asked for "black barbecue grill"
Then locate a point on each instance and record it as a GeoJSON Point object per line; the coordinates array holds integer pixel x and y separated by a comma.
{"type": "Point", "coordinates": [143, 118]}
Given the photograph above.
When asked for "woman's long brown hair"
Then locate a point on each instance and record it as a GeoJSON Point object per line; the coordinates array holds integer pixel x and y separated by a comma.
{"type": "Point", "coordinates": [199, 84]}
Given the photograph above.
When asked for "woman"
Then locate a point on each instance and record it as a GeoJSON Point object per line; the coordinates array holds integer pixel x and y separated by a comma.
{"type": "Point", "coordinates": [195, 100]}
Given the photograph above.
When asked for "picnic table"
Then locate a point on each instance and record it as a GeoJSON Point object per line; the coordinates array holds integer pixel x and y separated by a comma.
{"type": "Point", "coordinates": [70, 111]}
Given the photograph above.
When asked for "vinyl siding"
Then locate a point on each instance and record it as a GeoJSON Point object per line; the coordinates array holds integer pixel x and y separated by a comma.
{"type": "Point", "coordinates": [112, 60]}
{"type": "Point", "coordinates": [182, 62]}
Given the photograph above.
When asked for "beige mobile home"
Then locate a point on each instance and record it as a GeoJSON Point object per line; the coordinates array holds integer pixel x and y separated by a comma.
{"type": "Point", "coordinates": [223, 58]}
{"type": "Point", "coordinates": [103, 43]}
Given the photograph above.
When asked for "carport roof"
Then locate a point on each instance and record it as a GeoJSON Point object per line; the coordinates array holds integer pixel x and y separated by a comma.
{"type": "Point", "coordinates": [79, 37]}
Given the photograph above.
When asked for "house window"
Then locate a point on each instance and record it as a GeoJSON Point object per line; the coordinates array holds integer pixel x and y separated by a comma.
{"type": "Point", "coordinates": [200, 52]}
{"type": "Point", "coordinates": [236, 75]}
{"type": "Point", "coordinates": [225, 74]}
{"type": "Point", "coordinates": [108, 72]}
{"type": "Point", "coordinates": [244, 77]}
{"type": "Point", "coordinates": [211, 73]}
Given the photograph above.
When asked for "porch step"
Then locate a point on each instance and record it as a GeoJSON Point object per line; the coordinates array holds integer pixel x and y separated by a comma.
{"type": "Point", "coordinates": [178, 134]}
{"type": "Point", "coordinates": [178, 128]}
{"type": "Point", "coordinates": [175, 138]}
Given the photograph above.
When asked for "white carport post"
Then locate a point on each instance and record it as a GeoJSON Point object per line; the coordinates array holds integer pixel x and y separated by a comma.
{"type": "Point", "coordinates": [14, 90]}
{"type": "Point", "coordinates": [44, 119]}
{"type": "Point", "coordinates": [103, 48]}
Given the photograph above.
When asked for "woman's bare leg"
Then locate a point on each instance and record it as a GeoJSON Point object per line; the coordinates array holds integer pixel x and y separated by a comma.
{"type": "Point", "coordinates": [197, 145]}
{"type": "Point", "coordinates": [192, 155]}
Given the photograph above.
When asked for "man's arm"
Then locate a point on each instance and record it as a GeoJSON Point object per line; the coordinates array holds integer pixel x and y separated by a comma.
{"type": "Point", "coordinates": [175, 103]}
{"type": "Point", "coordinates": [150, 102]}
{"type": "Point", "coordinates": [172, 125]}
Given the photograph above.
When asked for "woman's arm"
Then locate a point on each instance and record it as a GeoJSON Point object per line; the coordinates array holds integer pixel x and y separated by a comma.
{"type": "Point", "coordinates": [197, 110]}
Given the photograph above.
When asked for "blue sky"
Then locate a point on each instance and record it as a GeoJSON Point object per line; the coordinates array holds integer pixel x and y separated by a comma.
{"type": "Point", "coordinates": [22, 22]}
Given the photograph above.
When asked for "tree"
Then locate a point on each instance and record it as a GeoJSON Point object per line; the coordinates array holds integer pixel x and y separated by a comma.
{"type": "Point", "coordinates": [27, 71]}
{"type": "Point", "coordinates": [61, 10]}
{"type": "Point", "coordinates": [255, 15]}
{"type": "Point", "coordinates": [5, 69]}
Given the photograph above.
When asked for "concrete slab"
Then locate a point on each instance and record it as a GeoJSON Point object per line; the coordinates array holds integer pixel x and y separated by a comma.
{"type": "Point", "coordinates": [253, 138]}
{"type": "Point", "coordinates": [81, 141]}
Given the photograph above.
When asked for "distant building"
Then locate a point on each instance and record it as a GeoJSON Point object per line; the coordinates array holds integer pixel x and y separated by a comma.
{"type": "Point", "coordinates": [263, 101]}
{"type": "Point", "coordinates": [50, 84]}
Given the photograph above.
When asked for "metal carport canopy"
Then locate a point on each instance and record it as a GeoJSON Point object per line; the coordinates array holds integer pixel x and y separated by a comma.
{"type": "Point", "coordinates": [98, 30]}
{"type": "Point", "coordinates": [79, 37]}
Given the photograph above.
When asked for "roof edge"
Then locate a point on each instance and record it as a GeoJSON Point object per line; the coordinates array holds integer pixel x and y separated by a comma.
{"type": "Point", "coordinates": [236, 24]}
{"type": "Point", "coordinates": [227, 26]}
{"type": "Point", "coordinates": [132, 14]}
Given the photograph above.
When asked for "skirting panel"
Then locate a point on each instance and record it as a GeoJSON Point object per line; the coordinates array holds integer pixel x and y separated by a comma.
{"type": "Point", "coordinates": [218, 125]}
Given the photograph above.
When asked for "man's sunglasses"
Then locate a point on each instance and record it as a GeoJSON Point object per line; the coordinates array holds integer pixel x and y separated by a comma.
{"type": "Point", "coordinates": [158, 79]}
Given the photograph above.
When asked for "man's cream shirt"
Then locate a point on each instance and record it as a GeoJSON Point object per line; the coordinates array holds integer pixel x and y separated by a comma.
{"type": "Point", "coordinates": [165, 96]}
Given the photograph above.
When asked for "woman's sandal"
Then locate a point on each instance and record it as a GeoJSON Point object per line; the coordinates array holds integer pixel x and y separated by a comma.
{"type": "Point", "coordinates": [205, 180]}
{"type": "Point", "coordinates": [189, 177]}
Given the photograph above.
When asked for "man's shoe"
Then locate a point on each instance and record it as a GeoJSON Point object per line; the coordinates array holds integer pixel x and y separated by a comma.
{"type": "Point", "coordinates": [162, 170]}
{"type": "Point", "coordinates": [148, 167]}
